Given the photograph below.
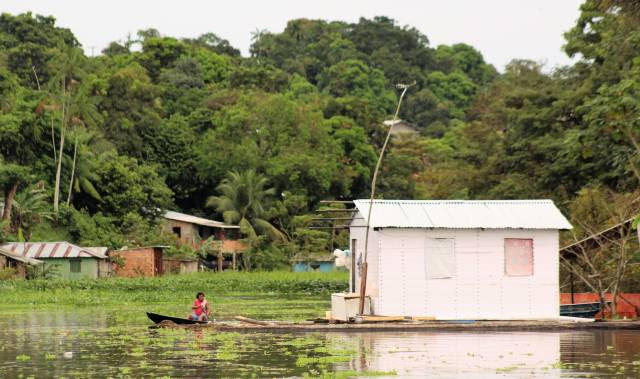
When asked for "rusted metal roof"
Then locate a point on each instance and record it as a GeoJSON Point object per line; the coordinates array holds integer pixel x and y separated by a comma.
{"type": "Point", "coordinates": [463, 214]}
{"type": "Point", "coordinates": [171, 215]}
{"type": "Point", "coordinates": [45, 250]}
{"type": "Point", "coordinates": [19, 258]}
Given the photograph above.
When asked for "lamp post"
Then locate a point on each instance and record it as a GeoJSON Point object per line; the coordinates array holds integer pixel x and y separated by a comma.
{"type": "Point", "coordinates": [364, 267]}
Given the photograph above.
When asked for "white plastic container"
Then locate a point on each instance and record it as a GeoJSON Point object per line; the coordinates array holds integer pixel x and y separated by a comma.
{"type": "Point", "coordinates": [346, 305]}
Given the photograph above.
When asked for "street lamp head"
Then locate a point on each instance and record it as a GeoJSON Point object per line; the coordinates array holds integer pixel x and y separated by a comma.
{"type": "Point", "coordinates": [404, 86]}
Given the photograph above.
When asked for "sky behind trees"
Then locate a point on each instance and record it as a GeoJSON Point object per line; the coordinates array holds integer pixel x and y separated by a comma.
{"type": "Point", "coordinates": [500, 29]}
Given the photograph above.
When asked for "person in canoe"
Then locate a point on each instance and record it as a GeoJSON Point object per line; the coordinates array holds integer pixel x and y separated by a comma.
{"type": "Point", "coordinates": [200, 308]}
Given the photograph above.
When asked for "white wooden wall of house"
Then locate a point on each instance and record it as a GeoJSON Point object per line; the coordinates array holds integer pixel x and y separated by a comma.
{"type": "Point", "coordinates": [478, 289]}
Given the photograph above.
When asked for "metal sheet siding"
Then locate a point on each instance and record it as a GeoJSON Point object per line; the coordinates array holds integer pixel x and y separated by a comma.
{"type": "Point", "coordinates": [463, 214]}
{"type": "Point", "coordinates": [479, 288]}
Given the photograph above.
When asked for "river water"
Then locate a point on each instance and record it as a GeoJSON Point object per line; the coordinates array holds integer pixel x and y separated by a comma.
{"type": "Point", "coordinates": [118, 343]}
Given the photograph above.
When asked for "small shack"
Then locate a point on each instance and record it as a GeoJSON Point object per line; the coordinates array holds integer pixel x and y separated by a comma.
{"type": "Point", "coordinates": [72, 262]}
{"type": "Point", "coordinates": [9, 260]}
{"type": "Point", "coordinates": [454, 259]}
{"type": "Point", "coordinates": [138, 261]}
{"type": "Point", "coordinates": [192, 229]}
{"type": "Point", "coordinates": [313, 262]}
{"type": "Point", "coordinates": [180, 265]}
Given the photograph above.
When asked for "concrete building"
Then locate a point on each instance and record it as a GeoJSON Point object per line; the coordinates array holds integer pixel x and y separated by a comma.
{"type": "Point", "coordinates": [460, 259]}
{"type": "Point", "coordinates": [72, 262]}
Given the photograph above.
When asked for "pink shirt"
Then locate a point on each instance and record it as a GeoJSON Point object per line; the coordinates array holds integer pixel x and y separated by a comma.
{"type": "Point", "coordinates": [198, 305]}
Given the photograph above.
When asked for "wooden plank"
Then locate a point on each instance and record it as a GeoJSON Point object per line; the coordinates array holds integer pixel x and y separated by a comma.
{"type": "Point", "coordinates": [367, 318]}
{"type": "Point", "coordinates": [253, 321]}
{"type": "Point", "coordinates": [423, 318]}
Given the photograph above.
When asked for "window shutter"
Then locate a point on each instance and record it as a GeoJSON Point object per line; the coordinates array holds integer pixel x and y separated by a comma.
{"type": "Point", "coordinates": [518, 257]}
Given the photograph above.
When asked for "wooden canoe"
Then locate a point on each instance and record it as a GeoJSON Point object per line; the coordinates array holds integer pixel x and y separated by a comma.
{"type": "Point", "coordinates": [157, 318]}
{"type": "Point", "coordinates": [585, 310]}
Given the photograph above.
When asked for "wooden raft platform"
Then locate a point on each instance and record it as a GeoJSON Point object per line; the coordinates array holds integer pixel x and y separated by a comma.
{"type": "Point", "coordinates": [414, 326]}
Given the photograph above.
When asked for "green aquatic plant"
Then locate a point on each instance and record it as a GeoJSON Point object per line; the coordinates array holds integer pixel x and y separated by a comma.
{"type": "Point", "coordinates": [23, 358]}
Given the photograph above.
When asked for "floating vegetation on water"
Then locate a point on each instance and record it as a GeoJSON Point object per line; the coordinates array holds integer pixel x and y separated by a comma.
{"type": "Point", "coordinates": [23, 358]}
{"type": "Point", "coordinates": [116, 343]}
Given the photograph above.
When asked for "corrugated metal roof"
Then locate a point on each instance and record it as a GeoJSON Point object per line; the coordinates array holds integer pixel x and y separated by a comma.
{"type": "Point", "coordinates": [171, 215]}
{"type": "Point", "coordinates": [26, 260]}
{"type": "Point", "coordinates": [49, 250]}
{"type": "Point", "coordinates": [100, 250]}
{"type": "Point", "coordinates": [464, 214]}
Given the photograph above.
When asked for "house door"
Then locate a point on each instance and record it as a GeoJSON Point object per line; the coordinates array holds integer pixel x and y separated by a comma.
{"type": "Point", "coordinates": [157, 256]}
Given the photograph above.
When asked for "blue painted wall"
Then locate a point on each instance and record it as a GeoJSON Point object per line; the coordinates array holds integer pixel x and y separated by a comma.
{"type": "Point", "coordinates": [309, 266]}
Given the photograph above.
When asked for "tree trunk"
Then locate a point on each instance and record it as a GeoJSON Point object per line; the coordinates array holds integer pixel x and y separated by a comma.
{"type": "Point", "coordinates": [56, 190]}
{"type": "Point", "coordinates": [603, 303]}
{"type": "Point", "coordinates": [53, 143]}
{"type": "Point", "coordinates": [73, 171]}
{"type": "Point", "coordinates": [9, 195]}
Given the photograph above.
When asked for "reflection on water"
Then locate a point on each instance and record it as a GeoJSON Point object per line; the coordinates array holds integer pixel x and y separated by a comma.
{"type": "Point", "coordinates": [466, 354]}
{"type": "Point", "coordinates": [118, 343]}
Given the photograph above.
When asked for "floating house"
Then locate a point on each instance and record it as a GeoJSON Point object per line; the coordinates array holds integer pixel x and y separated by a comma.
{"type": "Point", "coordinates": [72, 261]}
{"type": "Point", "coordinates": [313, 262]}
{"type": "Point", "coordinates": [16, 262]}
{"type": "Point", "coordinates": [138, 261]}
{"type": "Point", "coordinates": [454, 259]}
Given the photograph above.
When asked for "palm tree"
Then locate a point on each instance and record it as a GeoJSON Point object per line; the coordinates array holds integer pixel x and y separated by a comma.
{"type": "Point", "coordinates": [241, 202]}
{"type": "Point", "coordinates": [77, 106]}
{"type": "Point", "coordinates": [30, 207]}
{"type": "Point", "coordinates": [82, 166]}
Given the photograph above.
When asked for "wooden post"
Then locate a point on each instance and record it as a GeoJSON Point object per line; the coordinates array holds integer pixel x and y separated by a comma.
{"type": "Point", "coordinates": [220, 259]}
{"type": "Point", "coordinates": [363, 286]}
{"type": "Point", "coordinates": [233, 257]}
{"type": "Point", "coordinates": [571, 286]}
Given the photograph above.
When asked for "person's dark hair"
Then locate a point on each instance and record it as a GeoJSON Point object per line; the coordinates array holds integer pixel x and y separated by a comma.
{"type": "Point", "coordinates": [198, 294]}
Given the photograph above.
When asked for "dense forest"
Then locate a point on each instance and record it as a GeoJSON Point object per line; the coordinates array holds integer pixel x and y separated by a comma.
{"type": "Point", "coordinates": [93, 149]}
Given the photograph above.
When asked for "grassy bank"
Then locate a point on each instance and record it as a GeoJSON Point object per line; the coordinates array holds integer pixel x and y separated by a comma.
{"type": "Point", "coordinates": [278, 295]}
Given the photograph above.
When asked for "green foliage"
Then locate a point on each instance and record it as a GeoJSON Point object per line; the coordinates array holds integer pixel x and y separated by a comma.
{"type": "Point", "coordinates": [97, 229]}
{"type": "Point", "coordinates": [45, 271]}
{"type": "Point", "coordinates": [127, 186]}
{"type": "Point", "coordinates": [215, 283]}
{"type": "Point", "coordinates": [30, 207]}
{"type": "Point", "coordinates": [28, 43]}
{"type": "Point", "coordinates": [242, 202]}
{"type": "Point", "coordinates": [163, 127]}
{"type": "Point", "coordinates": [8, 273]}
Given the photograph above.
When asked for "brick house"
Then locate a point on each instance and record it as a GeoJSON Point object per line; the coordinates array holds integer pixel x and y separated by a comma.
{"type": "Point", "coordinates": [138, 261]}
